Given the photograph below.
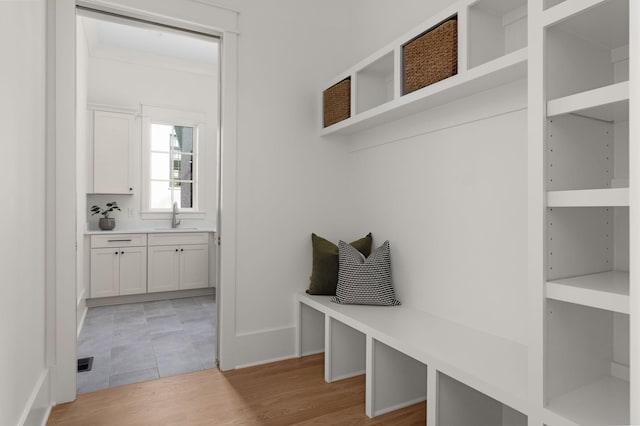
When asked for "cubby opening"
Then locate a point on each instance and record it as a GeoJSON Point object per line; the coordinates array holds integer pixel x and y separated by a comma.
{"type": "Point", "coordinates": [589, 50]}
{"type": "Point", "coordinates": [375, 83]}
{"type": "Point", "coordinates": [345, 353]}
{"type": "Point", "coordinates": [461, 405]}
{"type": "Point", "coordinates": [587, 153]}
{"type": "Point", "coordinates": [398, 379]}
{"type": "Point", "coordinates": [311, 331]}
{"type": "Point", "coordinates": [496, 28]}
{"type": "Point", "coordinates": [587, 375]}
{"type": "Point", "coordinates": [588, 251]}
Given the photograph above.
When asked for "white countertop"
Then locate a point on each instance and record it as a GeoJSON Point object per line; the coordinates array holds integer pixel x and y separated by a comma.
{"type": "Point", "coordinates": [151, 230]}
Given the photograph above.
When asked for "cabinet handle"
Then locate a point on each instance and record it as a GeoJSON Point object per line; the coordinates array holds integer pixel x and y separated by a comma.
{"type": "Point", "coordinates": [120, 241]}
{"type": "Point", "coordinates": [116, 252]}
{"type": "Point", "coordinates": [181, 249]}
{"type": "Point", "coordinates": [176, 249]}
{"type": "Point", "coordinates": [121, 252]}
{"type": "Point", "coordinates": [130, 189]}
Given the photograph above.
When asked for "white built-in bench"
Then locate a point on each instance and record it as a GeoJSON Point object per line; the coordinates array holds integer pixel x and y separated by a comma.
{"type": "Point", "coordinates": [470, 377]}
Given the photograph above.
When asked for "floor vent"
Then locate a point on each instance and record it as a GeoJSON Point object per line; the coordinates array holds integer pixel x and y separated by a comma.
{"type": "Point", "coordinates": [85, 364]}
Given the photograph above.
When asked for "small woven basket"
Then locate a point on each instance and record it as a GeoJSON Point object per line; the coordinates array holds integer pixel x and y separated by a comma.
{"type": "Point", "coordinates": [432, 56]}
{"type": "Point", "coordinates": [337, 102]}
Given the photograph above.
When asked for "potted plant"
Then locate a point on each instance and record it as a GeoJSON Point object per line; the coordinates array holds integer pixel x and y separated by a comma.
{"type": "Point", "coordinates": [105, 223]}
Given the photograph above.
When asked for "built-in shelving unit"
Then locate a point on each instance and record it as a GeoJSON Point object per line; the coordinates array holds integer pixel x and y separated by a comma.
{"type": "Point", "coordinates": [586, 286]}
{"type": "Point", "coordinates": [589, 198]}
{"type": "Point", "coordinates": [492, 41]}
{"type": "Point", "coordinates": [605, 290]}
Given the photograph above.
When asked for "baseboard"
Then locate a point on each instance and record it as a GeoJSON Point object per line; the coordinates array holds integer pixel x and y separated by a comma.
{"type": "Point", "coordinates": [150, 297]}
{"type": "Point", "coordinates": [620, 371]}
{"type": "Point", "coordinates": [81, 311]}
{"type": "Point", "coordinates": [312, 352]}
{"type": "Point", "coordinates": [264, 346]}
{"type": "Point", "coordinates": [348, 376]}
{"type": "Point", "coordinates": [38, 408]}
{"type": "Point", "coordinates": [398, 406]}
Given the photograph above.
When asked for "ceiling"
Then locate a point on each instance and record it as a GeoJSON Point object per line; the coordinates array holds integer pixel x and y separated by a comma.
{"type": "Point", "coordinates": [150, 44]}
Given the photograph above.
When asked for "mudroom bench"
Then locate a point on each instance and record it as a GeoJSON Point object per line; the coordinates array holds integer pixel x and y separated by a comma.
{"type": "Point", "coordinates": [469, 377]}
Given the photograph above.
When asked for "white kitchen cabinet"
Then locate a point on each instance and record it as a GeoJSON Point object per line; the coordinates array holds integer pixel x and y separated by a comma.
{"type": "Point", "coordinates": [118, 265]}
{"type": "Point", "coordinates": [178, 261]}
{"type": "Point", "coordinates": [113, 140]}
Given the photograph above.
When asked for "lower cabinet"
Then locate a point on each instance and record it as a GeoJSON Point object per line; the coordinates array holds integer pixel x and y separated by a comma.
{"type": "Point", "coordinates": [179, 266]}
{"type": "Point", "coordinates": [118, 265]}
{"type": "Point", "coordinates": [125, 264]}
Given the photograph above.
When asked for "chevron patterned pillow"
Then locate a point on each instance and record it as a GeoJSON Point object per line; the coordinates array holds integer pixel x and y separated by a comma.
{"type": "Point", "coordinates": [364, 281]}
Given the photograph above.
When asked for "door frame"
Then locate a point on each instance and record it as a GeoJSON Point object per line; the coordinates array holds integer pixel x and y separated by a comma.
{"type": "Point", "coordinates": [61, 279]}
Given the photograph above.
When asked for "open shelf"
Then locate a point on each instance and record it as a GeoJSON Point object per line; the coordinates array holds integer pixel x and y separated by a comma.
{"type": "Point", "coordinates": [603, 402]}
{"type": "Point", "coordinates": [587, 364]}
{"type": "Point", "coordinates": [605, 290]}
{"type": "Point", "coordinates": [490, 75]}
{"type": "Point", "coordinates": [496, 28]}
{"type": "Point", "coordinates": [587, 46]}
{"type": "Point", "coordinates": [608, 103]}
{"type": "Point", "coordinates": [589, 198]}
{"type": "Point", "coordinates": [560, 10]}
{"type": "Point", "coordinates": [374, 84]}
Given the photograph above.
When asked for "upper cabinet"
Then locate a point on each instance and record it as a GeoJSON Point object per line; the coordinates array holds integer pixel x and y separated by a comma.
{"type": "Point", "coordinates": [113, 141]}
{"type": "Point", "coordinates": [470, 47]}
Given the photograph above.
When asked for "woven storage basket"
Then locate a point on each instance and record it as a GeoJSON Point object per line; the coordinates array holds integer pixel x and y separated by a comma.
{"type": "Point", "coordinates": [337, 102]}
{"type": "Point", "coordinates": [432, 56]}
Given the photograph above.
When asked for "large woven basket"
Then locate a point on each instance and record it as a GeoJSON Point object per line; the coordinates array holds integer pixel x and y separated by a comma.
{"type": "Point", "coordinates": [432, 56]}
{"type": "Point", "coordinates": [337, 102]}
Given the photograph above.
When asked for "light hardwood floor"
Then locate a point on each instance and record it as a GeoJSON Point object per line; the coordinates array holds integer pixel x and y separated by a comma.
{"type": "Point", "coordinates": [291, 392]}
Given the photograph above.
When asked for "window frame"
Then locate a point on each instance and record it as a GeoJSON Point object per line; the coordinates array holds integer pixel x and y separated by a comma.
{"type": "Point", "coordinates": [172, 117]}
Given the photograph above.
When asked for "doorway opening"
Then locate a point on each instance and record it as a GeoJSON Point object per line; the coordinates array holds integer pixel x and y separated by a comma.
{"type": "Point", "coordinates": [147, 138]}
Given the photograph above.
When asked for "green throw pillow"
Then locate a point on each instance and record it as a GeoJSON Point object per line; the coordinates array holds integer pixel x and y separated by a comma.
{"type": "Point", "coordinates": [324, 275]}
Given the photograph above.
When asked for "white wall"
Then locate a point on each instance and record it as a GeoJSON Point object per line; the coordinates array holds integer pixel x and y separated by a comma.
{"type": "Point", "coordinates": [23, 370]}
{"type": "Point", "coordinates": [289, 179]}
{"type": "Point", "coordinates": [447, 187]}
{"type": "Point", "coordinates": [127, 84]}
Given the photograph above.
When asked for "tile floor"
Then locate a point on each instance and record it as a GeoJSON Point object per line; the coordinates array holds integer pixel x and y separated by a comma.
{"type": "Point", "coordinates": [144, 341]}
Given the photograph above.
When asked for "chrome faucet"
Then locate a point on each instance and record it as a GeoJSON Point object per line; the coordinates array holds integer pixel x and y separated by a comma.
{"type": "Point", "coordinates": [174, 215]}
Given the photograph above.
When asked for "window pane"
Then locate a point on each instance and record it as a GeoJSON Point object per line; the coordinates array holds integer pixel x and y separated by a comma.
{"type": "Point", "coordinates": [182, 167]}
{"type": "Point", "coordinates": [185, 138]}
{"type": "Point", "coordinates": [161, 136]}
{"type": "Point", "coordinates": [160, 195]}
{"type": "Point", "coordinates": [184, 195]}
{"type": "Point", "coordinates": [160, 166]}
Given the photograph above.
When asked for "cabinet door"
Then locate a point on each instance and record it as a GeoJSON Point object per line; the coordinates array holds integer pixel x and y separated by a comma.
{"type": "Point", "coordinates": [194, 266]}
{"type": "Point", "coordinates": [164, 269]}
{"type": "Point", "coordinates": [133, 270]}
{"type": "Point", "coordinates": [104, 272]}
{"type": "Point", "coordinates": [112, 139]}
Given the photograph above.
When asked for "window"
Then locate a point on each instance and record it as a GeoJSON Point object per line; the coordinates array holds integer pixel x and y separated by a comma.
{"type": "Point", "coordinates": [170, 159]}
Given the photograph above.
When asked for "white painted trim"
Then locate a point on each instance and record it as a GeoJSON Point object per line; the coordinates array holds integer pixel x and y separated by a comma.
{"type": "Point", "coordinates": [266, 330]}
{"type": "Point", "coordinates": [620, 54]}
{"type": "Point", "coordinates": [114, 108]}
{"type": "Point", "coordinates": [171, 116]}
{"type": "Point", "coordinates": [267, 361]}
{"type": "Point", "coordinates": [398, 406]}
{"type": "Point", "coordinates": [227, 223]}
{"type": "Point", "coordinates": [620, 371]}
{"type": "Point", "coordinates": [348, 375]}
{"type": "Point", "coordinates": [634, 210]}
{"type": "Point", "coordinates": [62, 287]}
{"type": "Point", "coordinates": [320, 351]}
{"type": "Point", "coordinates": [41, 385]}
{"type": "Point", "coordinates": [135, 13]}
